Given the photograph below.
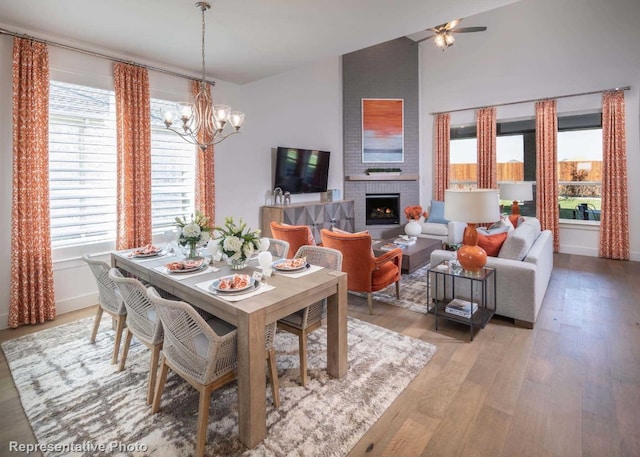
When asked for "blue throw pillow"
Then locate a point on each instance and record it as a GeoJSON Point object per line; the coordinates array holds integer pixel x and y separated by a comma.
{"type": "Point", "coordinates": [436, 214]}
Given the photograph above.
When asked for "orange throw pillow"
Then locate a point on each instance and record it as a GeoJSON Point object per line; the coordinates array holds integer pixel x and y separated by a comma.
{"type": "Point", "coordinates": [492, 243]}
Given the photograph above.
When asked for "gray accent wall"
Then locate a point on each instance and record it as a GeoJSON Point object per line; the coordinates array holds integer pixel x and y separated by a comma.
{"type": "Point", "coordinates": [388, 70]}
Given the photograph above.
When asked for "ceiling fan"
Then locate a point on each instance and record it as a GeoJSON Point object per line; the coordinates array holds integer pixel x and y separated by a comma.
{"type": "Point", "coordinates": [443, 34]}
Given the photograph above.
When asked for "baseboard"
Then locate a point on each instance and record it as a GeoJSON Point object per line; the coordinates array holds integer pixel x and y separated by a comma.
{"type": "Point", "coordinates": [579, 250]}
{"type": "Point", "coordinates": [62, 307]}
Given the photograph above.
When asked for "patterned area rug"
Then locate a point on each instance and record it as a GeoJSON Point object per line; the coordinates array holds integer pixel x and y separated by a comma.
{"type": "Point", "coordinates": [414, 293]}
{"type": "Point", "coordinates": [72, 394]}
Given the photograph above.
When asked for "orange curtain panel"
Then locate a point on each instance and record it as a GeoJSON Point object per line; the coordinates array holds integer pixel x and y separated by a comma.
{"type": "Point", "coordinates": [442, 139]}
{"type": "Point", "coordinates": [205, 192]}
{"type": "Point", "coordinates": [133, 120]}
{"type": "Point", "coordinates": [614, 221]}
{"type": "Point", "coordinates": [486, 130]}
{"type": "Point", "coordinates": [32, 298]}
{"type": "Point", "coordinates": [547, 208]}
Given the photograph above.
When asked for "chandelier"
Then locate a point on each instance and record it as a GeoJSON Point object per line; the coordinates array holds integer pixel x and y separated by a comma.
{"type": "Point", "coordinates": [202, 122]}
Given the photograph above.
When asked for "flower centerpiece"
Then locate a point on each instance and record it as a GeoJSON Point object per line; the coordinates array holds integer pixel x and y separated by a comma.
{"type": "Point", "coordinates": [237, 242]}
{"type": "Point", "coordinates": [193, 233]}
{"type": "Point", "coordinates": [413, 213]}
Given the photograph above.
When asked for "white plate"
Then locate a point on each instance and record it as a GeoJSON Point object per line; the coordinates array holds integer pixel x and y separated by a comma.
{"type": "Point", "coordinates": [215, 285]}
{"type": "Point", "coordinates": [201, 266]}
{"type": "Point", "coordinates": [280, 265]}
{"type": "Point", "coordinates": [151, 254]}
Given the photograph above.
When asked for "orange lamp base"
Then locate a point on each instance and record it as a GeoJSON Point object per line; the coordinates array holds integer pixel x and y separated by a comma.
{"type": "Point", "coordinates": [515, 208]}
{"type": "Point", "coordinates": [472, 257]}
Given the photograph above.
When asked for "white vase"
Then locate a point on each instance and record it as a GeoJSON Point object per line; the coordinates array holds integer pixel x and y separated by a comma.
{"type": "Point", "coordinates": [413, 228]}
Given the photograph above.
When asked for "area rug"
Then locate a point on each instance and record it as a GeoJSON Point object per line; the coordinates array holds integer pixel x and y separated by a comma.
{"type": "Point", "coordinates": [73, 396]}
{"type": "Point", "coordinates": [414, 292]}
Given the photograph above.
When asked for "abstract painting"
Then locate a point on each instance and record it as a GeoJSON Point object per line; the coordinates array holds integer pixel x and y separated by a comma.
{"type": "Point", "coordinates": [382, 130]}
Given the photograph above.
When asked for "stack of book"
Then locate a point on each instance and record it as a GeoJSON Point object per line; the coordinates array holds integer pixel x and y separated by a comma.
{"type": "Point", "coordinates": [461, 307]}
{"type": "Point", "coordinates": [391, 246]}
{"type": "Point", "coordinates": [404, 242]}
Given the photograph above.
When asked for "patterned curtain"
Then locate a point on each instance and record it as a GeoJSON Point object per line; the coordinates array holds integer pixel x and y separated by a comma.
{"type": "Point", "coordinates": [486, 128]}
{"type": "Point", "coordinates": [442, 140]}
{"type": "Point", "coordinates": [32, 299]}
{"type": "Point", "coordinates": [547, 208]}
{"type": "Point", "coordinates": [205, 177]}
{"type": "Point", "coordinates": [133, 119]}
{"type": "Point", "coordinates": [614, 221]}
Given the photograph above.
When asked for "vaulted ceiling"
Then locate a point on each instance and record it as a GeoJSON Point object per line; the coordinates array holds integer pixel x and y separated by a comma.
{"type": "Point", "coordinates": [246, 40]}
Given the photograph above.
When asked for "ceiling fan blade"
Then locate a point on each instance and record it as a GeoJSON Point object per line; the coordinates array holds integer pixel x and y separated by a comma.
{"type": "Point", "coordinates": [452, 24]}
{"type": "Point", "coordinates": [469, 29]}
{"type": "Point", "coordinates": [423, 39]}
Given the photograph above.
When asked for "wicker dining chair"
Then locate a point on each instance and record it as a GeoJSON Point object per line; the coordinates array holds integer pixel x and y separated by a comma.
{"type": "Point", "coordinates": [109, 301]}
{"type": "Point", "coordinates": [307, 320]}
{"type": "Point", "coordinates": [143, 322]}
{"type": "Point", "coordinates": [204, 353]}
{"type": "Point", "coordinates": [278, 248]}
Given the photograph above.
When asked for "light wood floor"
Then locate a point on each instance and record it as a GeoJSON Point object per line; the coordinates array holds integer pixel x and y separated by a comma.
{"type": "Point", "coordinates": [569, 387]}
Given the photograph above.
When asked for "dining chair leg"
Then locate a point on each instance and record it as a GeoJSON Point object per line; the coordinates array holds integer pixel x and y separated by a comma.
{"type": "Point", "coordinates": [125, 349]}
{"type": "Point", "coordinates": [203, 420]}
{"type": "Point", "coordinates": [398, 289]}
{"type": "Point", "coordinates": [116, 347]}
{"type": "Point", "coordinates": [96, 324]}
{"type": "Point", "coordinates": [273, 374]}
{"type": "Point", "coordinates": [369, 302]}
{"type": "Point", "coordinates": [302, 347]}
{"type": "Point", "coordinates": [153, 371]}
{"type": "Point", "coordinates": [164, 368]}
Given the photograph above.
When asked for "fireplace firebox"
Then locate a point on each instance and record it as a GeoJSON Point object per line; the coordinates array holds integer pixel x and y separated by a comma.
{"type": "Point", "coordinates": [382, 209]}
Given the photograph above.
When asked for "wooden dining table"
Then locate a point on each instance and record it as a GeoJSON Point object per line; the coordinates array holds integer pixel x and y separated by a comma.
{"type": "Point", "coordinates": [250, 316]}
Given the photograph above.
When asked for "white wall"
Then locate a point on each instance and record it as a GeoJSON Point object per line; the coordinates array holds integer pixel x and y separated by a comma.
{"type": "Point", "coordinates": [535, 49]}
{"type": "Point", "coordinates": [301, 108]}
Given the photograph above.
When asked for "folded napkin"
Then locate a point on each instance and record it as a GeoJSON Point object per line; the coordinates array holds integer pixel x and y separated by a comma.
{"type": "Point", "coordinates": [235, 297]}
{"type": "Point", "coordinates": [299, 274]}
{"type": "Point", "coordinates": [180, 276]}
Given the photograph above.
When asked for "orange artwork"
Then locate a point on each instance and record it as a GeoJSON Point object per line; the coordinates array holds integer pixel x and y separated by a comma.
{"type": "Point", "coordinates": [382, 130]}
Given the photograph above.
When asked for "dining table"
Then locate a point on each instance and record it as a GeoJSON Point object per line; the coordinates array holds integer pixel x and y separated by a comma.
{"type": "Point", "coordinates": [283, 294]}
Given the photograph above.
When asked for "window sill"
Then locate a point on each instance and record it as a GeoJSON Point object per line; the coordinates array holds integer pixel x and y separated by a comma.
{"type": "Point", "coordinates": [590, 226]}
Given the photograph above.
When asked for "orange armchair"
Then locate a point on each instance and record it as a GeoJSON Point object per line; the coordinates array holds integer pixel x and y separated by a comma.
{"type": "Point", "coordinates": [365, 272]}
{"type": "Point", "coordinates": [295, 235]}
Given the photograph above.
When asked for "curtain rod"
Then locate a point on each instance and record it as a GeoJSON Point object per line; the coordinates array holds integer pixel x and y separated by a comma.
{"type": "Point", "coordinates": [534, 100]}
{"type": "Point", "coordinates": [103, 56]}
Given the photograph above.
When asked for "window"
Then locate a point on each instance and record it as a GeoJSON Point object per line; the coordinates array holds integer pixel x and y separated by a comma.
{"type": "Point", "coordinates": [82, 167]}
{"type": "Point", "coordinates": [580, 174]}
{"type": "Point", "coordinates": [579, 162]}
{"type": "Point", "coordinates": [173, 163]}
{"type": "Point", "coordinates": [82, 164]}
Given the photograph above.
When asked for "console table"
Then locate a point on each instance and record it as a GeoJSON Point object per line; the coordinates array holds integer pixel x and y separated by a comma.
{"type": "Point", "coordinates": [317, 215]}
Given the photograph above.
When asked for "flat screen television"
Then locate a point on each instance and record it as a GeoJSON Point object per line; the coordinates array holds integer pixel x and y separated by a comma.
{"type": "Point", "coordinates": [301, 171]}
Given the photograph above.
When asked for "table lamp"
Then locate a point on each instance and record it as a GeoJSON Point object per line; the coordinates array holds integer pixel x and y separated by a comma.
{"type": "Point", "coordinates": [516, 191]}
{"type": "Point", "coordinates": [472, 206]}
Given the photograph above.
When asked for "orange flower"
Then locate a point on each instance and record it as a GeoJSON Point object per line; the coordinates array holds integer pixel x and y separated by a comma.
{"type": "Point", "coordinates": [413, 213]}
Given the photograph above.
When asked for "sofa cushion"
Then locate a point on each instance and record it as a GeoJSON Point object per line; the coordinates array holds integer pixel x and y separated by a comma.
{"type": "Point", "coordinates": [492, 243]}
{"type": "Point", "coordinates": [504, 221]}
{"type": "Point", "coordinates": [436, 214]}
{"type": "Point", "coordinates": [430, 228]}
{"type": "Point", "coordinates": [520, 240]}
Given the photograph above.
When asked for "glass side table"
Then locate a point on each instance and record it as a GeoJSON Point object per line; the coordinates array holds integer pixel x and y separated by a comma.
{"type": "Point", "coordinates": [447, 281]}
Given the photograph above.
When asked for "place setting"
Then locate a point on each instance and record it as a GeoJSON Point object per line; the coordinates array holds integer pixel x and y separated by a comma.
{"type": "Point", "coordinates": [237, 286]}
{"type": "Point", "coordinates": [186, 268]}
{"type": "Point", "coordinates": [148, 252]}
{"type": "Point", "coordinates": [294, 268]}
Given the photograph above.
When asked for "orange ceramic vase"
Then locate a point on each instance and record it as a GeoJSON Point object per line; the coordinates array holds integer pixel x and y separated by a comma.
{"type": "Point", "coordinates": [471, 256]}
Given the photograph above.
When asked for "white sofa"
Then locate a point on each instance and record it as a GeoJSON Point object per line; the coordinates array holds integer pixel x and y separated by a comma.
{"type": "Point", "coordinates": [450, 232]}
{"type": "Point", "coordinates": [523, 269]}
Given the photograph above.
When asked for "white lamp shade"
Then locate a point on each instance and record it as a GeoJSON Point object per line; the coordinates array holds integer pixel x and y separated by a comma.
{"type": "Point", "coordinates": [516, 191]}
{"type": "Point", "coordinates": [474, 205]}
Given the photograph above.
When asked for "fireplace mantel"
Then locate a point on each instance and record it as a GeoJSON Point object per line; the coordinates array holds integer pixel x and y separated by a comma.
{"type": "Point", "coordinates": [383, 177]}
